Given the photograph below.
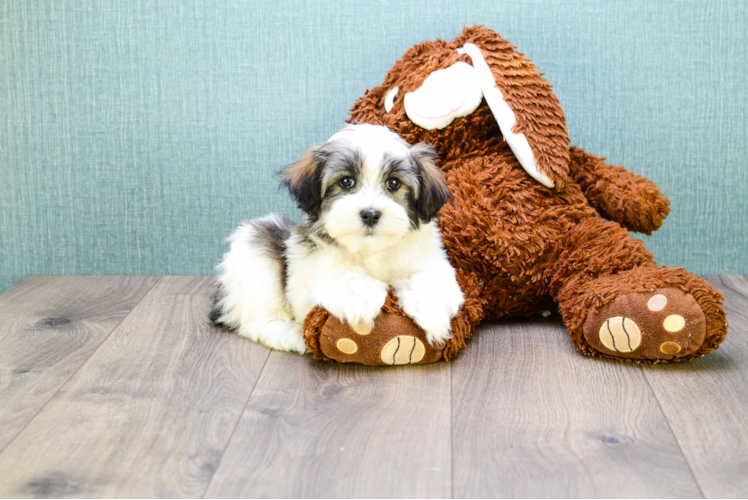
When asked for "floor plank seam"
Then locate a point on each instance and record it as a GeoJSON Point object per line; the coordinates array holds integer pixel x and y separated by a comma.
{"type": "Point", "coordinates": [116, 327]}
{"type": "Point", "coordinates": [670, 428]}
{"type": "Point", "coordinates": [236, 426]}
{"type": "Point", "coordinates": [451, 432]}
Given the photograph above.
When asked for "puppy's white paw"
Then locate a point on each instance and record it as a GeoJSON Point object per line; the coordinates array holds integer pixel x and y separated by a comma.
{"type": "Point", "coordinates": [278, 335]}
{"type": "Point", "coordinates": [433, 318]}
{"type": "Point", "coordinates": [356, 301]}
{"type": "Point", "coordinates": [293, 341]}
{"type": "Point", "coordinates": [432, 307]}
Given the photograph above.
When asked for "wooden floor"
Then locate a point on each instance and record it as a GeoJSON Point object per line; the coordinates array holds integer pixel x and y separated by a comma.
{"type": "Point", "coordinates": [118, 386]}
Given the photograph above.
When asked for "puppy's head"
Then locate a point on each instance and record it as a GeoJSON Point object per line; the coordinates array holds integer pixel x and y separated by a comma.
{"type": "Point", "coordinates": [366, 188]}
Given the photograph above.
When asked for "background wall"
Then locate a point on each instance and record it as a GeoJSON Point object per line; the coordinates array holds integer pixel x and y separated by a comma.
{"type": "Point", "coordinates": [134, 136]}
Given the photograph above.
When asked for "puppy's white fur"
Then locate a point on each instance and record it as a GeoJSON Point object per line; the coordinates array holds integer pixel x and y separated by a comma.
{"type": "Point", "coordinates": [252, 297]}
{"type": "Point", "coordinates": [334, 260]}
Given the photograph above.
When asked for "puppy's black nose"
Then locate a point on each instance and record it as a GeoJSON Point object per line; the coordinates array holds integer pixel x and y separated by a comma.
{"type": "Point", "coordinates": [370, 216]}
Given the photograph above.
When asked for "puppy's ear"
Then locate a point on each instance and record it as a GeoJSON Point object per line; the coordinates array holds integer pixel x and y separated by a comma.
{"type": "Point", "coordinates": [304, 181]}
{"type": "Point", "coordinates": [433, 191]}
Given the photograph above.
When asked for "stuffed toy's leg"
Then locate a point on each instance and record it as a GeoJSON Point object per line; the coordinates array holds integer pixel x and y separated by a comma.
{"type": "Point", "coordinates": [395, 338]}
{"type": "Point", "coordinates": [618, 303]}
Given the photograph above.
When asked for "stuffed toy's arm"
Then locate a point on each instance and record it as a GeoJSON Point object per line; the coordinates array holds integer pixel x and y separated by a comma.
{"type": "Point", "coordinates": [621, 196]}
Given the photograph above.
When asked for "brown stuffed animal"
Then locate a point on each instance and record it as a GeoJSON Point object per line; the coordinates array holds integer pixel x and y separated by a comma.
{"type": "Point", "coordinates": [526, 226]}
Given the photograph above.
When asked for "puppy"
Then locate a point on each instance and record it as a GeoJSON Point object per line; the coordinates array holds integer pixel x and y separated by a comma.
{"type": "Point", "coordinates": [369, 201]}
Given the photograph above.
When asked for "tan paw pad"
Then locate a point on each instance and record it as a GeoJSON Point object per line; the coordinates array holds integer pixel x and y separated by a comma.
{"type": "Point", "coordinates": [347, 346]}
{"type": "Point", "coordinates": [403, 350]}
{"type": "Point", "coordinates": [620, 334]}
{"type": "Point", "coordinates": [362, 328]}
{"type": "Point", "coordinates": [670, 348]}
{"type": "Point", "coordinates": [657, 302]}
{"type": "Point", "coordinates": [674, 323]}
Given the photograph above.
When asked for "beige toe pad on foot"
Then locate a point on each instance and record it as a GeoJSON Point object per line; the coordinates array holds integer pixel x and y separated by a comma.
{"type": "Point", "coordinates": [662, 325]}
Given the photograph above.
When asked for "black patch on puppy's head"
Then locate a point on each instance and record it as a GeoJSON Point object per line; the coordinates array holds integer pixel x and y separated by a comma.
{"type": "Point", "coordinates": [304, 181]}
{"type": "Point", "coordinates": [312, 180]}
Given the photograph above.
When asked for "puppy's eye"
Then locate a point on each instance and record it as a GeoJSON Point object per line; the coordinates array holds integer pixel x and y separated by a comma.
{"type": "Point", "coordinates": [393, 184]}
{"type": "Point", "coordinates": [347, 182]}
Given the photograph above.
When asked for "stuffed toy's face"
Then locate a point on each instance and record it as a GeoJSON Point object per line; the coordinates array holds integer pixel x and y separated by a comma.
{"type": "Point", "coordinates": [427, 90]}
{"type": "Point", "coordinates": [475, 89]}
{"type": "Point", "coordinates": [433, 102]}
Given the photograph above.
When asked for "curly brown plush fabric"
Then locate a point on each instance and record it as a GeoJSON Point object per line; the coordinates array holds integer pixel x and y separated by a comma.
{"type": "Point", "coordinates": [519, 247]}
{"type": "Point", "coordinates": [629, 199]}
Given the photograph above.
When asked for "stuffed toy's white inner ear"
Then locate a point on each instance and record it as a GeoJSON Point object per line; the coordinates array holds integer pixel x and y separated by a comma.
{"type": "Point", "coordinates": [446, 94]}
{"type": "Point", "coordinates": [504, 115]}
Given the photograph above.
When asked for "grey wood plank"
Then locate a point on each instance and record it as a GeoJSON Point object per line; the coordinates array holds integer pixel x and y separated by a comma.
{"type": "Point", "coordinates": [706, 401]}
{"type": "Point", "coordinates": [49, 326]}
{"type": "Point", "coordinates": [314, 429]}
{"type": "Point", "coordinates": [149, 414]}
{"type": "Point", "coordinates": [532, 417]}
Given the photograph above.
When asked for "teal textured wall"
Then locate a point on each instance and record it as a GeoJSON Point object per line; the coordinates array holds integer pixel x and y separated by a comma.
{"type": "Point", "coordinates": [135, 135]}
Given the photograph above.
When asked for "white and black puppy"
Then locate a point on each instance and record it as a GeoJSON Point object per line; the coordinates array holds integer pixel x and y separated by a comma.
{"type": "Point", "coordinates": [369, 201]}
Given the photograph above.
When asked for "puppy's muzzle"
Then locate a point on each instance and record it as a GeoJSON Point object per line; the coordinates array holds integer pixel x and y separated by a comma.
{"type": "Point", "coordinates": [370, 216]}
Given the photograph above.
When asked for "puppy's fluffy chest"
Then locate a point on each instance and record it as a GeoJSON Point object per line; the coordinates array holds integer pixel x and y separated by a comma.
{"type": "Point", "coordinates": [394, 264]}
{"type": "Point", "coordinates": [329, 262]}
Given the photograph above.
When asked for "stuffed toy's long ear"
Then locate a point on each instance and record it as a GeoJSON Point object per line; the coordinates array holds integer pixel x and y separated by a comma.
{"type": "Point", "coordinates": [529, 114]}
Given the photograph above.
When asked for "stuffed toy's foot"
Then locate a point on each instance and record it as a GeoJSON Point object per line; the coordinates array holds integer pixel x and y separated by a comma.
{"type": "Point", "coordinates": [651, 314]}
{"type": "Point", "coordinates": [395, 338]}
{"type": "Point", "coordinates": [654, 325]}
